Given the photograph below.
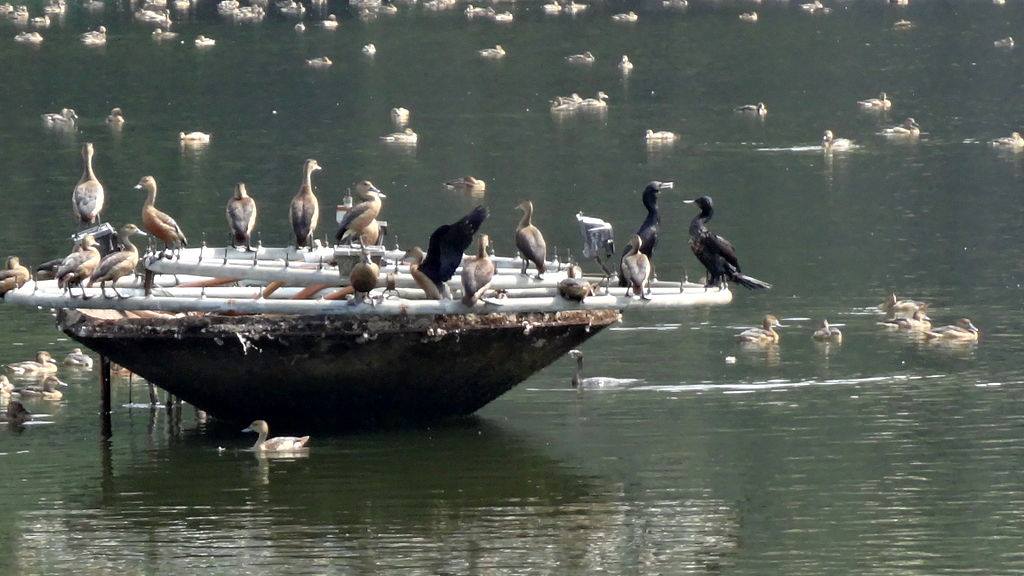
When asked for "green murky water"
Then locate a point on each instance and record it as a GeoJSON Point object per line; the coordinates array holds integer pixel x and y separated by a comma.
{"type": "Point", "coordinates": [881, 456]}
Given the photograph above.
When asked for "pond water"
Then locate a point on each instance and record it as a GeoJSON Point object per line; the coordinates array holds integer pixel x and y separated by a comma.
{"type": "Point", "coordinates": [883, 455]}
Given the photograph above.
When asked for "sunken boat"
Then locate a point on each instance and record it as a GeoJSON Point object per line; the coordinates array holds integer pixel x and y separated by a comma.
{"type": "Point", "coordinates": [269, 334]}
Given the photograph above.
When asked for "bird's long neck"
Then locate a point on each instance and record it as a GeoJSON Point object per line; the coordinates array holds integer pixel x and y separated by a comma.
{"type": "Point", "coordinates": [260, 439]}
{"type": "Point", "coordinates": [527, 219]}
{"type": "Point", "coordinates": [150, 195]}
{"type": "Point", "coordinates": [700, 220]}
{"type": "Point", "coordinates": [577, 377]}
{"type": "Point", "coordinates": [307, 180]}
{"type": "Point", "coordinates": [481, 251]}
{"type": "Point", "coordinates": [129, 246]}
{"type": "Point", "coordinates": [651, 203]}
{"type": "Point", "coordinates": [87, 173]}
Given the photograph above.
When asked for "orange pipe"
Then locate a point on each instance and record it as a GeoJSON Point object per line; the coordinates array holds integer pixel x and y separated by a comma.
{"type": "Point", "coordinates": [339, 294]}
{"type": "Point", "coordinates": [309, 291]}
{"type": "Point", "coordinates": [271, 288]}
{"type": "Point", "coordinates": [208, 283]}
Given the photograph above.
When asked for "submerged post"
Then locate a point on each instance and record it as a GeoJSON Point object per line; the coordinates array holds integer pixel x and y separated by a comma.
{"type": "Point", "coordinates": [105, 396]}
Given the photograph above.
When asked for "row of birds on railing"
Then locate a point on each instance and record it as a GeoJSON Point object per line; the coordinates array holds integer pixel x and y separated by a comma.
{"type": "Point", "coordinates": [360, 224]}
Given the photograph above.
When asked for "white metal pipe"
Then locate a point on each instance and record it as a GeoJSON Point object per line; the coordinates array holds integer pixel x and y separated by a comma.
{"type": "Point", "coordinates": [52, 299]}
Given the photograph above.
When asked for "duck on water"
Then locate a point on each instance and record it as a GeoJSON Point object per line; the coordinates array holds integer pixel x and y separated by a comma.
{"type": "Point", "coordinates": [278, 444]}
{"type": "Point", "coordinates": [595, 383]}
{"type": "Point", "coordinates": [715, 252]}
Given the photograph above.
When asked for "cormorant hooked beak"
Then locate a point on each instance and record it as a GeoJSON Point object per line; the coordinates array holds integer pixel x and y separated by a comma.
{"type": "Point", "coordinates": [689, 201]}
{"type": "Point", "coordinates": [666, 185]}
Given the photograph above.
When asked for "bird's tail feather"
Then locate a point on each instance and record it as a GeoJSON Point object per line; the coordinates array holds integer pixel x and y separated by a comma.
{"type": "Point", "coordinates": [750, 282]}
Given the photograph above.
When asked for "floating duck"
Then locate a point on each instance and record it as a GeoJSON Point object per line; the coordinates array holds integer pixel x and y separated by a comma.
{"type": "Point", "coordinates": [628, 17]}
{"type": "Point", "coordinates": [160, 34]}
{"type": "Point", "coordinates": [748, 17]}
{"type": "Point", "coordinates": [241, 215]}
{"type": "Point", "coordinates": [880, 103]}
{"type": "Point", "coordinates": [585, 58]}
{"type": "Point", "coordinates": [467, 184]}
{"type": "Point", "coordinates": [14, 275]}
{"type": "Point", "coordinates": [477, 12]}
{"type": "Point", "coordinates": [495, 53]}
{"type": "Point", "coordinates": [625, 66]}
{"type": "Point", "coordinates": [574, 8]}
{"type": "Point", "coordinates": [194, 138]}
{"type": "Point", "coordinates": [908, 130]}
{"type": "Point", "coordinates": [829, 143]}
{"type": "Point", "coordinates": [115, 119]}
{"type": "Point", "coordinates": [43, 364]}
{"type": "Point", "coordinates": [758, 109]}
{"type": "Point", "coordinates": [815, 7]}
{"type": "Point", "coordinates": [918, 321]}
{"type": "Point", "coordinates": [300, 27]}
{"type": "Point", "coordinates": [596, 383]}
{"type": "Point", "coordinates": [331, 23]}
{"type": "Point", "coordinates": [552, 8]}
{"type": "Point", "coordinates": [40, 21]}
{"type": "Point", "coordinates": [477, 273]}
{"type": "Point", "coordinates": [963, 331]}
{"type": "Point", "coordinates": [407, 137]}
{"type": "Point", "coordinates": [46, 390]}
{"type": "Point", "coordinates": [321, 62]}
{"type": "Point", "coordinates": [674, 4]}
{"type": "Point", "coordinates": [903, 25]}
{"type": "Point", "coordinates": [5, 387]}
{"type": "Point", "coordinates": [304, 210]}
{"type": "Point", "coordinates": [827, 333]}
{"type": "Point", "coordinates": [279, 444]}
{"type": "Point", "coordinates": [33, 38]}
{"type": "Point", "coordinates": [902, 308]}
{"type": "Point", "coordinates": [117, 265]}
{"type": "Point", "coordinates": [158, 223]}
{"type": "Point", "coordinates": [369, 50]}
{"type": "Point", "coordinates": [599, 102]}
{"type": "Point", "coordinates": [64, 120]}
{"type": "Point", "coordinates": [502, 17]}
{"type": "Point", "coordinates": [55, 8]}
{"type": "Point", "coordinates": [660, 137]}
{"type": "Point", "coordinates": [766, 334]}
{"type": "Point", "coordinates": [1004, 42]}
{"type": "Point", "coordinates": [78, 266]}
{"type": "Point", "coordinates": [204, 42]}
{"type": "Point", "coordinates": [400, 116]}
{"type": "Point", "coordinates": [78, 359]}
{"type": "Point", "coordinates": [16, 414]}
{"type": "Point", "coordinates": [1014, 141]}
{"type": "Point", "coordinates": [530, 241]}
{"type": "Point", "coordinates": [97, 37]}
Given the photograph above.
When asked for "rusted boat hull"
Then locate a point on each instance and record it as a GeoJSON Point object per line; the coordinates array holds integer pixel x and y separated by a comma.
{"type": "Point", "coordinates": [337, 372]}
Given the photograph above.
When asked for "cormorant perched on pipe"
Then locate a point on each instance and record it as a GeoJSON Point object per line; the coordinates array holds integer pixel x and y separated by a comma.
{"type": "Point", "coordinates": [648, 231]}
{"type": "Point", "coordinates": [716, 253]}
{"type": "Point", "coordinates": [447, 247]}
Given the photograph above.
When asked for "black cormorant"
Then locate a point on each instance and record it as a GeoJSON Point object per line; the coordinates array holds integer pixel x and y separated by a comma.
{"type": "Point", "coordinates": [448, 245]}
{"type": "Point", "coordinates": [716, 253]}
{"type": "Point", "coordinates": [648, 231]}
